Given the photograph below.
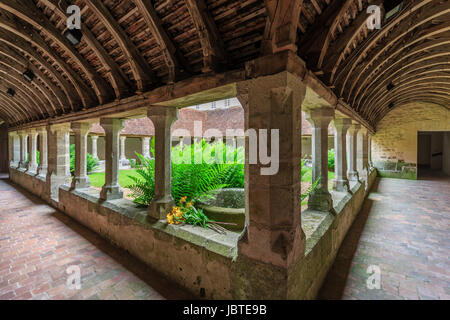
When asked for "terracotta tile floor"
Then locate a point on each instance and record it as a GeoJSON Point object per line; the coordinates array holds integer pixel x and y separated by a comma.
{"type": "Point", "coordinates": [404, 229]}
{"type": "Point", "coordinates": [38, 244]}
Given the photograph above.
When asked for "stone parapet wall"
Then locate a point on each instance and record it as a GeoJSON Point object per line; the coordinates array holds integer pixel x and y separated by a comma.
{"type": "Point", "coordinates": [202, 261]}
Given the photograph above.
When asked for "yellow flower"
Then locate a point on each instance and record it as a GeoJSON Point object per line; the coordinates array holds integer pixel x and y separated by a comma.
{"type": "Point", "coordinates": [182, 200]}
{"type": "Point", "coordinates": [170, 218]}
{"type": "Point", "coordinates": [189, 204]}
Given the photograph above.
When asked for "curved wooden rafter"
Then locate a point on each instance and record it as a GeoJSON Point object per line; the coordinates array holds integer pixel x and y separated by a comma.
{"type": "Point", "coordinates": [27, 33]}
{"type": "Point", "coordinates": [117, 77]}
{"type": "Point", "coordinates": [21, 45]}
{"type": "Point", "coordinates": [411, 65]}
{"type": "Point", "coordinates": [14, 115]}
{"type": "Point", "coordinates": [439, 99]}
{"type": "Point", "coordinates": [41, 23]}
{"type": "Point", "coordinates": [34, 98]}
{"type": "Point", "coordinates": [26, 115]}
{"type": "Point", "coordinates": [439, 77]}
{"type": "Point", "coordinates": [354, 62]}
{"type": "Point", "coordinates": [425, 87]}
{"type": "Point", "coordinates": [142, 73]}
{"type": "Point", "coordinates": [432, 49]}
{"type": "Point", "coordinates": [402, 48]}
{"type": "Point", "coordinates": [50, 91]}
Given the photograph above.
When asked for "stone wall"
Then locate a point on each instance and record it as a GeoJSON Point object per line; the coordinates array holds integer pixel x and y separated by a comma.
{"type": "Point", "coordinates": [202, 261]}
{"type": "Point", "coordinates": [4, 161]}
{"type": "Point", "coordinates": [394, 146]}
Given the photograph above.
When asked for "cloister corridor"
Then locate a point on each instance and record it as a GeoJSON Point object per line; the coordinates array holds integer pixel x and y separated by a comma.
{"type": "Point", "coordinates": [403, 229]}
{"type": "Point", "coordinates": [39, 243]}
{"type": "Point", "coordinates": [402, 232]}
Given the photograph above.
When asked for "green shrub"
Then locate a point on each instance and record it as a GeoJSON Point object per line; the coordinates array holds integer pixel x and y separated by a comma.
{"type": "Point", "coordinates": [91, 162]}
{"type": "Point", "coordinates": [331, 156]}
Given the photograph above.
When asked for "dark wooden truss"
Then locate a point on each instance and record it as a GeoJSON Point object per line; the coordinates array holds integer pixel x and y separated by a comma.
{"type": "Point", "coordinates": [132, 47]}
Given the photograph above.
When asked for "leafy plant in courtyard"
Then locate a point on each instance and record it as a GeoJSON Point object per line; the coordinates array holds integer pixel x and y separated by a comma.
{"type": "Point", "coordinates": [91, 162]}
{"type": "Point", "coordinates": [304, 170]}
{"type": "Point", "coordinates": [143, 187]}
{"type": "Point", "coordinates": [331, 156]}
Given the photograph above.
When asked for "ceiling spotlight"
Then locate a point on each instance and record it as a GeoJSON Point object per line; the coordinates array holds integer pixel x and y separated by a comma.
{"type": "Point", "coordinates": [391, 105]}
{"type": "Point", "coordinates": [28, 75]}
{"type": "Point", "coordinates": [11, 92]}
{"type": "Point", "coordinates": [74, 36]}
{"type": "Point", "coordinates": [390, 86]}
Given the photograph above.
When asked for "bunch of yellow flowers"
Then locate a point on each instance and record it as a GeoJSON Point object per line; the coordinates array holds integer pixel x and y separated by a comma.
{"type": "Point", "coordinates": [176, 215]}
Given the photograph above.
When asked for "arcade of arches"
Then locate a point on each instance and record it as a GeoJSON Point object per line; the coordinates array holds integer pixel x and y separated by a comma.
{"type": "Point", "coordinates": [384, 91]}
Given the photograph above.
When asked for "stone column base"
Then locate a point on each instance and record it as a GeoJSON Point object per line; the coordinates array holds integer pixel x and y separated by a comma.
{"type": "Point", "coordinates": [353, 176]}
{"type": "Point", "coordinates": [341, 185]}
{"type": "Point", "coordinates": [54, 182]}
{"type": "Point", "coordinates": [158, 209]}
{"type": "Point", "coordinates": [111, 193]}
{"type": "Point", "coordinates": [320, 200]}
{"type": "Point", "coordinates": [80, 182]}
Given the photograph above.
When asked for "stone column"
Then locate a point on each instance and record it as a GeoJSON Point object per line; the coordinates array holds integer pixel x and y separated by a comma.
{"type": "Point", "coordinates": [43, 153]}
{"type": "Point", "coordinates": [94, 140]}
{"type": "Point", "coordinates": [80, 179]}
{"type": "Point", "coordinates": [14, 149]}
{"type": "Point", "coordinates": [145, 146]}
{"type": "Point", "coordinates": [111, 190]}
{"type": "Point", "coordinates": [163, 118]}
{"type": "Point", "coordinates": [341, 126]}
{"type": "Point", "coordinates": [32, 148]}
{"type": "Point", "coordinates": [362, 162]}
{"type": "Point", "coordinates": [352, 173]}
{"type": "Point", "coordinates": [23, 149]}
{"type": "Point", "coordinates": [273, 235]}
{"type": "Point", "coordinates": [369, 137]}
{"type": "Point", "coordinates": [122, 148]}
{"type": "Point", "coordinates": [58, 171]}
{"type": "Point", "coordinates": [320, 197]}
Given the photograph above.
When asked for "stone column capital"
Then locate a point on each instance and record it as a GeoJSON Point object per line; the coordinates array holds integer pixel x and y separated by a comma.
{"type": "Point", "coordinates": [94, 137]}
{"type": "Point", "coordinates": [109, 124]}
{"type": "Point", "coordinates": [41, 129]}
{"type": "Point", "coordinates": [123, 138]}
{"type": "Point", "coordinates": [81, 127]}
{"type": "Point", "coordinates": [354, 128]}
{"type": "Point", "coordinates": [13, 133]}
{"type": "Point", "coordinates": [158, 113]}
{"type": "Point", "coordinates": [341, 124]}
{"type": "Point", "coordinates": [60, 127]}
{"type": "Point", "coordinates": [22, 133]}
{"type": "Point", "coordinates": [320, 116]}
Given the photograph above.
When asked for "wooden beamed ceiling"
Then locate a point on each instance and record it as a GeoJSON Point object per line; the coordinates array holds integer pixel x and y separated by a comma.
{"type": "Point", "coordinates": [130, 47]}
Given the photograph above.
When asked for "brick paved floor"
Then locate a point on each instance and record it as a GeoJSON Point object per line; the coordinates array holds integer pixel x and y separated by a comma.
{"type": "Point", "coordinates": [38, 244]}
{"type": "Point", "coordinates": [404, 228]}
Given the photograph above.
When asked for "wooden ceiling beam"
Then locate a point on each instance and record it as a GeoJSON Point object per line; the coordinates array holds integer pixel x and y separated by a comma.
{"type": "Point", "coordinates": [336, 51]}
{"type": "Point", "coordinates": [27, 33]}
{"type": "Point", "coordinates": [21, 45]}
{"type": "Point", "coordinates": [424, 41]}
{"type": "Point", "coordinates": [214, 54]}
{"type": "Point", "coordinates": [119, 80]}
{"type": "Point", "coordinates": [281, 26]}
{"type": "Point", "coordinates": [27, 13]}
{"type": "Point", "coordinates": [18, 83]}
{"type": "Point", "coordinates": [18, 104]}
{"type": "Point", "coordinates": [411, 65]}
{"type": "Point", "coordinates": [315, 45]}
{"type": "Point", "coordinates": [14, 59]}
{"type": "Point", "coordinates": [165, 43]}
{"type": "Point", "coordinates": [142, 72]}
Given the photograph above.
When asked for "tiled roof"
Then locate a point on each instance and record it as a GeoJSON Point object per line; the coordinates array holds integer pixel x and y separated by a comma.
{"type": "Point", "coordinates": [219, 119]}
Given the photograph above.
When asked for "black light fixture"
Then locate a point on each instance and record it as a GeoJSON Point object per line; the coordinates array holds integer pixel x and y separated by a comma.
{"type": "Point", "coordinates": [390, 86]}
{"type": "Point", "coordinates": [391, 105]}
{"type": "Point", "coordinates": [11, 92]}
{"type": "Point", "coordinates": [391, 7]}
{"type": "Point", "coordinates": [28, 75]}
{"type": "Point", "coordinates": [74, 36]}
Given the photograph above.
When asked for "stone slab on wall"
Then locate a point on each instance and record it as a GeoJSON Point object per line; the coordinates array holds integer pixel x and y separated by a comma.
{"type": "Point", "coordinates": [394, 146]}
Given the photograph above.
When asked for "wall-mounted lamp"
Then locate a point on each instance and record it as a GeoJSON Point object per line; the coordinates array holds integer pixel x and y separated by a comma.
{"type": "Point", "coordinates": [74, 36]}
{"type": "Point", "coordinates": [28, 75]}
{"type": "Point", "coordinates": [11, 92]}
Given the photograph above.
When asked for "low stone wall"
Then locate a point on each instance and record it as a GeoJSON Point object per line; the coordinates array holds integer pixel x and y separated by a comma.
{"type": "Point", "coordinates": [201, 260]}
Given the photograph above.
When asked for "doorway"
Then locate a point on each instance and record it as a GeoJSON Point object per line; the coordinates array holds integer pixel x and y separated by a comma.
{"type": "Point", "coordinates": [433, 154]}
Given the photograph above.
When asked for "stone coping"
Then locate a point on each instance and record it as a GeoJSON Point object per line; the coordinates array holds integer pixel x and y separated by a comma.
{"type": "Point", "coordinates": [222, 244]}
